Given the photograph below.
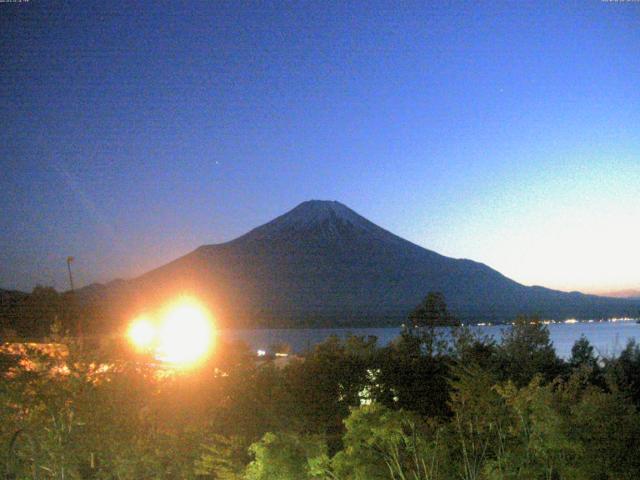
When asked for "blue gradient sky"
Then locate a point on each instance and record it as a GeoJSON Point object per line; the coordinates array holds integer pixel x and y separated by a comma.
{"type": "Point", "coordinates": [508, 133]}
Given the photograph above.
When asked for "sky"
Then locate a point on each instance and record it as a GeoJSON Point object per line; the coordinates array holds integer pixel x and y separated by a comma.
{"type": "Point", "coordinates": [504, 132]}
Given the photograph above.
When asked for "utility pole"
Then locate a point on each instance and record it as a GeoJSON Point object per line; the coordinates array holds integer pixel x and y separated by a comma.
{"type": "Point", "coordinates": [74, 308]}
{"type": "Point", "coordinates": [69, 260]}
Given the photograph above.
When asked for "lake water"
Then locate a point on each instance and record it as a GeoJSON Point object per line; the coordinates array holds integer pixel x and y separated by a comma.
{"type": "Point", "coordinates": [608, 338]}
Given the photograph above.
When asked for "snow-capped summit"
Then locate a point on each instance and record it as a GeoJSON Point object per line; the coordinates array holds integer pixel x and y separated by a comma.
{"type": "Point", "coordinates": [328, 219]}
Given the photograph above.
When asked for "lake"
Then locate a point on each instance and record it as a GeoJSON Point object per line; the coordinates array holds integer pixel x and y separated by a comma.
{"type": "Point", "coordinates": [608, 338]}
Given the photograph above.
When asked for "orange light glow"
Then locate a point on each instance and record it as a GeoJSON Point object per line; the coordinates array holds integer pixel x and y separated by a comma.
{"type": "Point", "coordinates": [182, 334]}
{"type": "Point", "coordinates": [142, 333]}
{"type": "Point", "coordinates": [185, 334]}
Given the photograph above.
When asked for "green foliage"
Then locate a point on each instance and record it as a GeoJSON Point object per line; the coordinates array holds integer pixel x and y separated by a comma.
{"type": "Point", "coordinates": [380, 443]}
{"type": "Point", "coordinates": [223, 458]}
{"type": "Point", "coordinates": [286, 456]}
{"type": "Point", "coordinates": [348, 410]}
{"type": "Point", "coordinates": [427, 322]}
{"type": "Point", "coordinates": [583, 355]}
{"type": "Point", "coordinates": [608, 427]}
{"type": "Point", "coordinates": [321, 388]}
{"type": "Point", "coordinates": [78, 417]}
{"type": "Point", "coordinates": [472, 348]}
{"type": "Point", "coordinates": [527, 351]}
{"type": "Point", "coordinates": [538, 444]}
{"type": "Point", "coordinates": [585, 363]}
{"type": "Point", "coordinates": [411, 379]}
{"type": "Point", "coordinates": [624, 372]}
{"type": "Point", "coordinates": [31, 316]}
{"type": "Point", "coordinates": [480, 419]}
{"type": "Point", "coordinates": [42, 418]}
{"type": "Point", "coordinates": [432, 312]}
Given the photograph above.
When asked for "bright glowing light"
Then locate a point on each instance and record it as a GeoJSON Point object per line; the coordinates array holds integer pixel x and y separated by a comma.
{"type": "Point", "coordinates": [182, 334]}
{"type": "Point", "coordinates": [142, 333]}
{"type": "Point", "coordinates": [185, 334]}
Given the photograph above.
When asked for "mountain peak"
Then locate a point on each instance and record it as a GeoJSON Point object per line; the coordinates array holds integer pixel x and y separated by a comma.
{"type": "Point", "coordinates": [325, 218]}
{"type": "Point", "coordinates": [320, 210]}
{"type": "Point", "coordinates": [320, 204]}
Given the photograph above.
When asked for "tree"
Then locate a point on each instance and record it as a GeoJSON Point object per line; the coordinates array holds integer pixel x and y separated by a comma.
{"type": "Point", "coordinates": [323, 386]}
{"type": "Point", "coordinates": [585, 361]}
{"type": "Point", "coordinates": [381, 443]}
{"type": "Point", "coordinates": [539, 444]}
{"type": "Point", "coordinates": [472, 348]}
{"type": "Point", "coordinates": [286, 456]}
{"type": "Point", "coordinates": [480, 419]}
{"type": "Point", "coordinates": [428, 322]}
{"type": "Point", "coordinates": [224, 458]}
{"type": "Point", "coordinates": [582, 354]}
{"type": "Point", "coordinates": [41, 309]}
{"type": "Point", "coordinates": [608, 427]}
{"type": "Point", "coordinates": [42, 416]}
{"type": "Point", "coordinates": [527, 350]}
{"type": "Point", "coordinates": [409, 378]}
{"type": "Point", "coordinates": [624, 372]}
{"type": "Point", "coordinates": [432, 312]}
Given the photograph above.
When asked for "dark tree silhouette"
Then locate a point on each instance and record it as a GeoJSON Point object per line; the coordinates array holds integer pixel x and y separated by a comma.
{"type": "Point", "coordinates": [432, 312]}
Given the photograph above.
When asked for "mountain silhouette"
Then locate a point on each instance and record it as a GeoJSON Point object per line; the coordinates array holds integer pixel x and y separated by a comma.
{"type": "Point", "coordinates": [323, 264]}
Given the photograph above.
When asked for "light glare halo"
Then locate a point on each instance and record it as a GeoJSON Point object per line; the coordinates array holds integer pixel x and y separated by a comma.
{"type": "Point", "coordinates": [142, 333]}
{"type": "Point", "coordinates": [185, 334]}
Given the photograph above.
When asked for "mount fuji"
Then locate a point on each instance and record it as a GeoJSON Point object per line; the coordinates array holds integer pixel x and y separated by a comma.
{"type": "Point", "coordinates": [322, 264]}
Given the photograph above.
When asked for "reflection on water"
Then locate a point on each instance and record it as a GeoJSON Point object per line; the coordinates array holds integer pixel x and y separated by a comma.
{"type": "Point", "coordinates": [608, 338]}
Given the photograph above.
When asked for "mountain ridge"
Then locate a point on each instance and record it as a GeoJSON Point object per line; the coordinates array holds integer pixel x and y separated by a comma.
{"type": "Point", "coordinates": [322, 263]}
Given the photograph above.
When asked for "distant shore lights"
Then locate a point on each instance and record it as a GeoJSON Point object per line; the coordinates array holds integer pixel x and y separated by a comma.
{"type": "Point", "coordinates": [181, 335]}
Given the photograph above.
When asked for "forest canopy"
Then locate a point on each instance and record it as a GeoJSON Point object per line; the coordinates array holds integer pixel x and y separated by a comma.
{"type": "Point", "coordinates": [419, 408]}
